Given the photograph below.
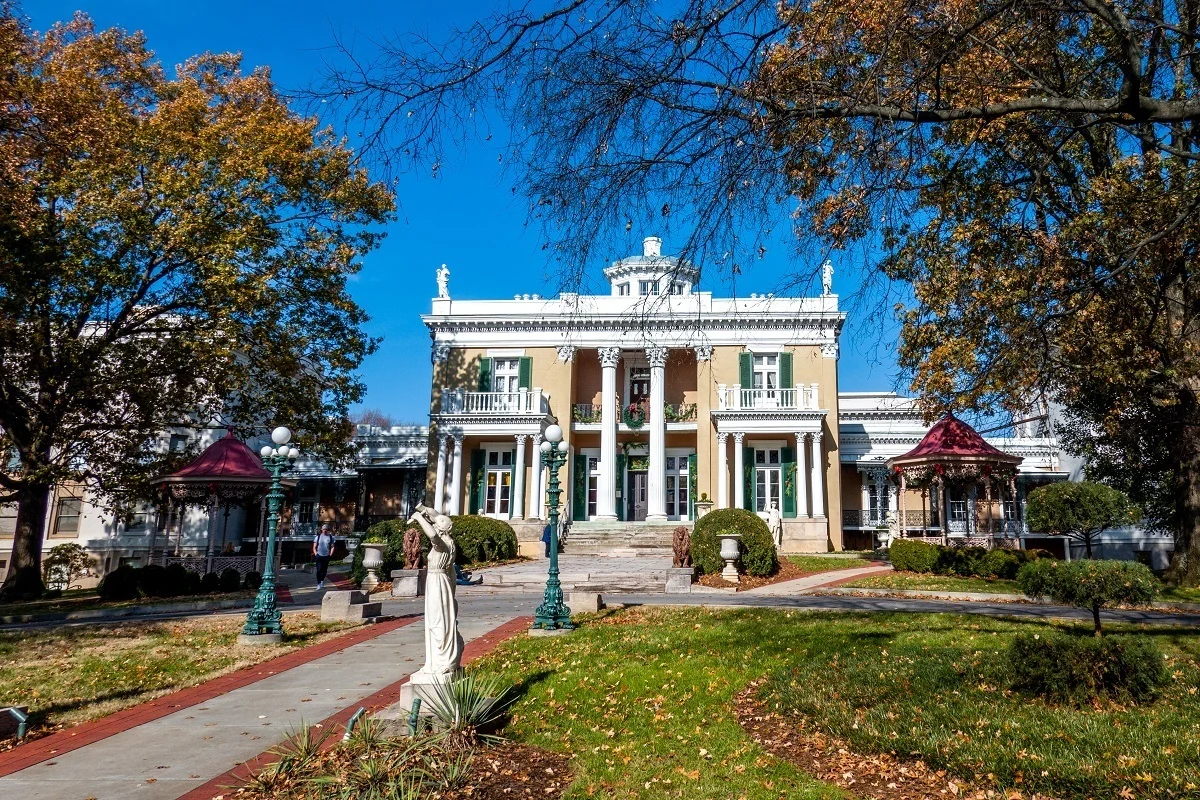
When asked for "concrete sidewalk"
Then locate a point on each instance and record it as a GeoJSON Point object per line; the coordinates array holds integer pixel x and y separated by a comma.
{"type": "Point", "coordinates": [166, 758]}
{"type": "Point", "coordinates": [808, 582]}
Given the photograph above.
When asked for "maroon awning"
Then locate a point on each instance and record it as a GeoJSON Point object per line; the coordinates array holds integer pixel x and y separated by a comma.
{"type": "Point", "coordinates": [224, 462]}
{"type": "Point", "coordinates": [951, 438]}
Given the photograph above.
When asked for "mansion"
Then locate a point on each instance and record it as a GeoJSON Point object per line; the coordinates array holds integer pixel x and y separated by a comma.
{"type": "Point", "coordinates": [674, 401]}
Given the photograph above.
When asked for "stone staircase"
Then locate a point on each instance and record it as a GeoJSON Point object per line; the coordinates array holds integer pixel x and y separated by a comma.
{"type": "Point", "coordinates": [621, 539]}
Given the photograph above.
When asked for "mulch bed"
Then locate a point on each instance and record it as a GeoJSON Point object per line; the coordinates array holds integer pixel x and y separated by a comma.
{"type": "Point", "coordinates": [511, 770]}
{"type": "Point", "coordinates": [788, 570]}
{"type": "Point", "coordinates": [883, 776]}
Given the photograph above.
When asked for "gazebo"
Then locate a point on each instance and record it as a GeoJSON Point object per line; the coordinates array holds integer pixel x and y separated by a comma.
{"type": "Point", "coordinates": [961, 477]}
{"type": "Point", "coordinates": [227, 474]}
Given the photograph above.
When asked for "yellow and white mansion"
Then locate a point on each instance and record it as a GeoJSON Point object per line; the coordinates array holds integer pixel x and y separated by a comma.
{"type": "Point", "coordinates": [668, 397]}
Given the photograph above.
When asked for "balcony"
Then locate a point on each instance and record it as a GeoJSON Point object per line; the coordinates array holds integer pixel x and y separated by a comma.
{"type": "Point", "coordinates": [525, 401]}
{"type": "Point", "coordinates": [737, 398]}
{"type": "Point", "coordinates": [590, 414]}
{"type": "Point", "coordinates": [913, 520]}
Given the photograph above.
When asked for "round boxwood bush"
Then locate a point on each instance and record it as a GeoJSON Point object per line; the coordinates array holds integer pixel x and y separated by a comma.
{"type": "Point", "coordinates": [152, 581]}
{"type": "Point", "coordinates": [480, 539]}
{"type": "Point", "coordinates": [120, 584]}
{"type": "Point", "coordinates": [210, 583]}
{"type": "Point", "coordinates": [191, 583]}
{"type": "Point", "coordinates": [758, 554]}
{"type": "Point", "coordinates": [175, 580]}
{"type": "Point", "coordinates": [911, 556]}
{"type": "Point", "coordinates": [231, 580]}
{"type": "Point", "coordinates": [252, 581]}
{"type": "Point", "coordinates": [1066, 668]}
{"type": "Point", "coordinates": [1089, 584]}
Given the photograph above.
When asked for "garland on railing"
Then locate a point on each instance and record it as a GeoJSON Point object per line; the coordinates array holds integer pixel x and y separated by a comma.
{"type": "Point", "coordinates": [634, 415]}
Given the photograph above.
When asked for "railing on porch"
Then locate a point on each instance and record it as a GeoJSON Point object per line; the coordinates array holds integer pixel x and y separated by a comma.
{"type": "Point", "coordinates": [913, 520]}
{"type": "Point", "coordinates": [680, 412]}
{"type": "Point", "coordinates": [525, 401]}
{"type": "Point", "coordinates": [590, 413]}
{"type": "Point", "coordinates": [857, 518]}
{"type": "Point", "coordinates": [739, 398]}
{"type": "Point", "coordinates": [586, 413]}
{"type": "Point", "coordinates": [219, 564]}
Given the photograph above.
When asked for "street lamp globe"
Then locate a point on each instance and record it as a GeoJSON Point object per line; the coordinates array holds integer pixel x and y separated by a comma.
{"type": "Point", "coordinates": [545, 447]}
{"type": "Point", "coordinates": [562, 447]}
{"type": "Point", "coordinates": [281, 435]}
{"type": "Point", "coordinates": [554, 434]}
{"type": "Point", "coordinates": [266, 451]}
{"type": "Point", "coordinates": [293, 454]}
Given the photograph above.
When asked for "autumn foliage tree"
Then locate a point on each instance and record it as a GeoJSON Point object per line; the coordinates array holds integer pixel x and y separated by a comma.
{"type": "Point", "coordinates": [172, 250]}
{"type": "Point", "coordinates": [1028, 167]}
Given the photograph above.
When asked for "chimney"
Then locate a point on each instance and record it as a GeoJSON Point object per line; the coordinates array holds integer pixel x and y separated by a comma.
{"type": "Point", "coordinates": [652, 247]}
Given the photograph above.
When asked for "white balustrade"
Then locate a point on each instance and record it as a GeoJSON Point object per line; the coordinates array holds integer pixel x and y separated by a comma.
{"type": "Point", "coordinates": [525, 401]}
{"type": "Point", "coordinates": [735, 398]}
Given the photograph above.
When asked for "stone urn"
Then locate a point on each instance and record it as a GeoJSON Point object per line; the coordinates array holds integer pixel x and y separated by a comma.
{"type": "Point", "coordinates": [372, 560]}
{"type": "Point", "coordinates": [730, 550]}
{"type": "Point", "coordinates": [703, 506]}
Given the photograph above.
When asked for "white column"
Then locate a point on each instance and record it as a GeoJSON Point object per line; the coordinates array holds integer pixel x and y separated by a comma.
{"type": "Point", "coordinates": [656, 479]}
{"type": "Point", "coordinates": [518, 508]}
{"type": "Point", "coordinates": [739, 483]}
{"type": "Point", "coordinates": [722, 470]}
{"type": "Point", "coordinates": [803, 509]}
{"type": "Point", "coordinates": [818, 477]}
{"type": "Point", "coordinates": [606, 489]}
{"type": "Point", "coordinates": [456, 476]}
{"type": "Point", "coordinates": [536, 498]}
{"type": "Point", "coordinates": [439, 484]}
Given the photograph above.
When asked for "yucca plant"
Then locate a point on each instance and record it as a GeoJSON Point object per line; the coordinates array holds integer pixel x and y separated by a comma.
{"type": "Point", "coordinates": [467, 706]}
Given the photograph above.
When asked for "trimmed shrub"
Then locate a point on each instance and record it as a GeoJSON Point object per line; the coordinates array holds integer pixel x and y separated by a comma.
{"type": "Point", "coordinates": [210, 583]}
{"type": "Point", "coordinates": [480, 539]}
{"type": "Point", "coordinates": [152, 581]}
{"type": "Point", "coordinates": [910, 556]}
{"type": "Point", "coordinates": [1079, 669]}
{"type": "Point", "coordinates": [252, 581]}
{"type": "Point", "coordinates": [1089, 584]}
{"type": "Point", "coordinates": [231, 580]}
{"type": "Point", "coordinates": [175, 580]}
{"type": "Point", "coordinates": [999, 563]}
{"type": "Point", "coordinates": [120, 584]}
{"type": "Point", "coordinates": [191, 583]}
{"type": "Point", "coordinates": [758, 555]}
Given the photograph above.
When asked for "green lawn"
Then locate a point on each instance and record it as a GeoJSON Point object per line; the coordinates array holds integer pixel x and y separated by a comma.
{"type": "Point", "coordinates": [643, 699]}
{"type": "Point", "coordinates": [71, 674]}
{"type": "Point", "coordinates": [829, 563]}
{"type": "Point", "coordinates": [1181, 594]}
{"type": "Point", "coordinates": [936, 583]}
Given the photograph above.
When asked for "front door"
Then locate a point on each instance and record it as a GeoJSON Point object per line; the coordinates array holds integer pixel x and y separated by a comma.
{"type": "Point", "coordinates": [636, 503]}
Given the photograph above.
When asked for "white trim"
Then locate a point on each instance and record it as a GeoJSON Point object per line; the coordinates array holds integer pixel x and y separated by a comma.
{"type": "Point", "coordinates": [508, 353]}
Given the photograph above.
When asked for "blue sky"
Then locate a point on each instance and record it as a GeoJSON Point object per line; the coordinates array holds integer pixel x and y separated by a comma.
{"type": "Point", "coordinates": [467, 218]}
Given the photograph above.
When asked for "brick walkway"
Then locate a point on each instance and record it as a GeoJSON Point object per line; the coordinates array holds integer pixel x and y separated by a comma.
{"type": "Point", "coordinates": [192, 740]}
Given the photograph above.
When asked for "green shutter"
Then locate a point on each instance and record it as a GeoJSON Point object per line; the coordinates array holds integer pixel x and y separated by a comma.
{"type": "Point", "coordinates": [619, 480]}
{"type": "Point", "coordinates": [748, 478]}
{"type": "Point", "coordinates": [746, 370]}
{"type": "Point", "coordinates": [785, 371]}
{"type": "Point", "coordinates": [579, 495]}
{"type": "Point", "coordinates": [787, 456]}
{"type": "Point", "coordinates": [485, 374]}
{"type": "Point", "coordinates": [692, 479]}
{"type": "Point", "coordinates": [525, 373]}
{"type": "Point", "coordinates": [478, 484]}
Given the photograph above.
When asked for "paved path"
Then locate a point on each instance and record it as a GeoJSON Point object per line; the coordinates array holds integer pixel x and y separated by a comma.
{"type": "Point", "coordinates": [166, 758]}
{"type": "Point", "coordinates": [798, 585]}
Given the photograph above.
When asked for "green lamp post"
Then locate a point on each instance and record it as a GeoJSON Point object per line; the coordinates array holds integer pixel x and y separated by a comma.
{"type": "Point", "coordinates": [264, 623]}
{"type": "Point", "coordinates": [553, 614]}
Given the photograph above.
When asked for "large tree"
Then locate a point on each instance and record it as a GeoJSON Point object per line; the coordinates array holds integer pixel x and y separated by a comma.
{"type": "Point", "coordinates": [172, 250]}
{"type": "Point", "coordinates": [1027, 166]}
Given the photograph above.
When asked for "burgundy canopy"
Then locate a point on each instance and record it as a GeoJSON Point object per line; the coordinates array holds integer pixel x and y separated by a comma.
{"type": "Point", "coordinates": [227, 470]}
{"type": "Point", "coordinates": [952, 438]}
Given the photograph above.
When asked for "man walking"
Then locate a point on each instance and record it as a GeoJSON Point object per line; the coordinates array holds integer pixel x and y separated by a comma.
{"type": "Point", "coordinates": [322, 550]}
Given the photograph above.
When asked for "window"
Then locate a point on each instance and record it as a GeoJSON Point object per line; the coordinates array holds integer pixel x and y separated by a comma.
{"type": "Point", "coordinates": [67, 519]}
{"type": "Point", "coordinates": [178, 443]}
{"type": "Point", "coordinates": [593, 485]}
{"type": "Point", "coordinates": [677, 287]}
{"type": "Point", "coordinates": [498, 482]}
{"type": "Point", "coordinates": [506, 374]}
{"type": "Point", "coordinates": [767, 479]}
{"type": "Point", "coordinates": [639, 385]}
{"type": "Point", "coordinates": [677, 487]}
{"type": "Point", "coordinates": [140, 520]}
{"type": "Point", "coordinates": [878, 500]}
{"type": "Point", "coordinates": [766, 377]}
{"type": "Point", "coordinates": [623, 289]}
{"type": "Point", "coordinates": [8, 519]}
{"type": "Point", "coordinates": [647, 287]}
{"type": "Point", "coordinates": [305, 513]}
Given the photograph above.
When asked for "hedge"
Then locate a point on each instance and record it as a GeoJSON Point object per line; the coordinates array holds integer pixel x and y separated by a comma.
{"type": "Point", "coordinates": [908, 555]}
{"type": "Point", "coordinates": [154, 581]}
{"type": "Point", "coordinates": [476, 539]}
{"type": "Point", "coordinates": [758, 554]}
{"type": "Point", "coordinates": [1079, 669]}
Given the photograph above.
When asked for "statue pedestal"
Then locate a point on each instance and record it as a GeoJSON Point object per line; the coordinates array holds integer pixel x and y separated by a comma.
{"type": "Point", "coordinates": [408, 582]}
{"type": "Point", "coordinates": [679, 580]}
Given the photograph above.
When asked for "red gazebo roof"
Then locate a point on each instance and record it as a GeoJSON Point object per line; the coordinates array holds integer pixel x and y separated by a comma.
{"type": "Point", "coordinates": [952, 439]}
{"type": "Point", "coordinates": [227, 460]}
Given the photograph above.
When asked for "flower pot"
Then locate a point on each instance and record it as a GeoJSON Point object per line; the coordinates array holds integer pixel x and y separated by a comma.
{"type": "Point", "coordinates": [730, 550]}
{"type": "Point", "coordinates": [703, 507]}
{"type": "Point", "coordinates": [372, 560]}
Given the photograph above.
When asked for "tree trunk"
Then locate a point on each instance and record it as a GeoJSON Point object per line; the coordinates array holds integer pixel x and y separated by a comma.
{"type": "Point", "coordinates": [1096, 618]}
{"type": "Point", "coordinates": [1185, 562]}
{"type": "Point", "coordinates": [1087, 546]}
{"type": "Point", "coordinates": [25, 572]}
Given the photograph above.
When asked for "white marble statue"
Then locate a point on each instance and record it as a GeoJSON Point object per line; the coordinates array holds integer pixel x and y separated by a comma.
{"type": "Point", "coordinates": [827, 278]}
{"type": "Point", "coordinates": [443, 643]}
{"type": "Point", "coordinates": [775, 523]}
{"type": "Point", "coordinates": [443, 281]}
